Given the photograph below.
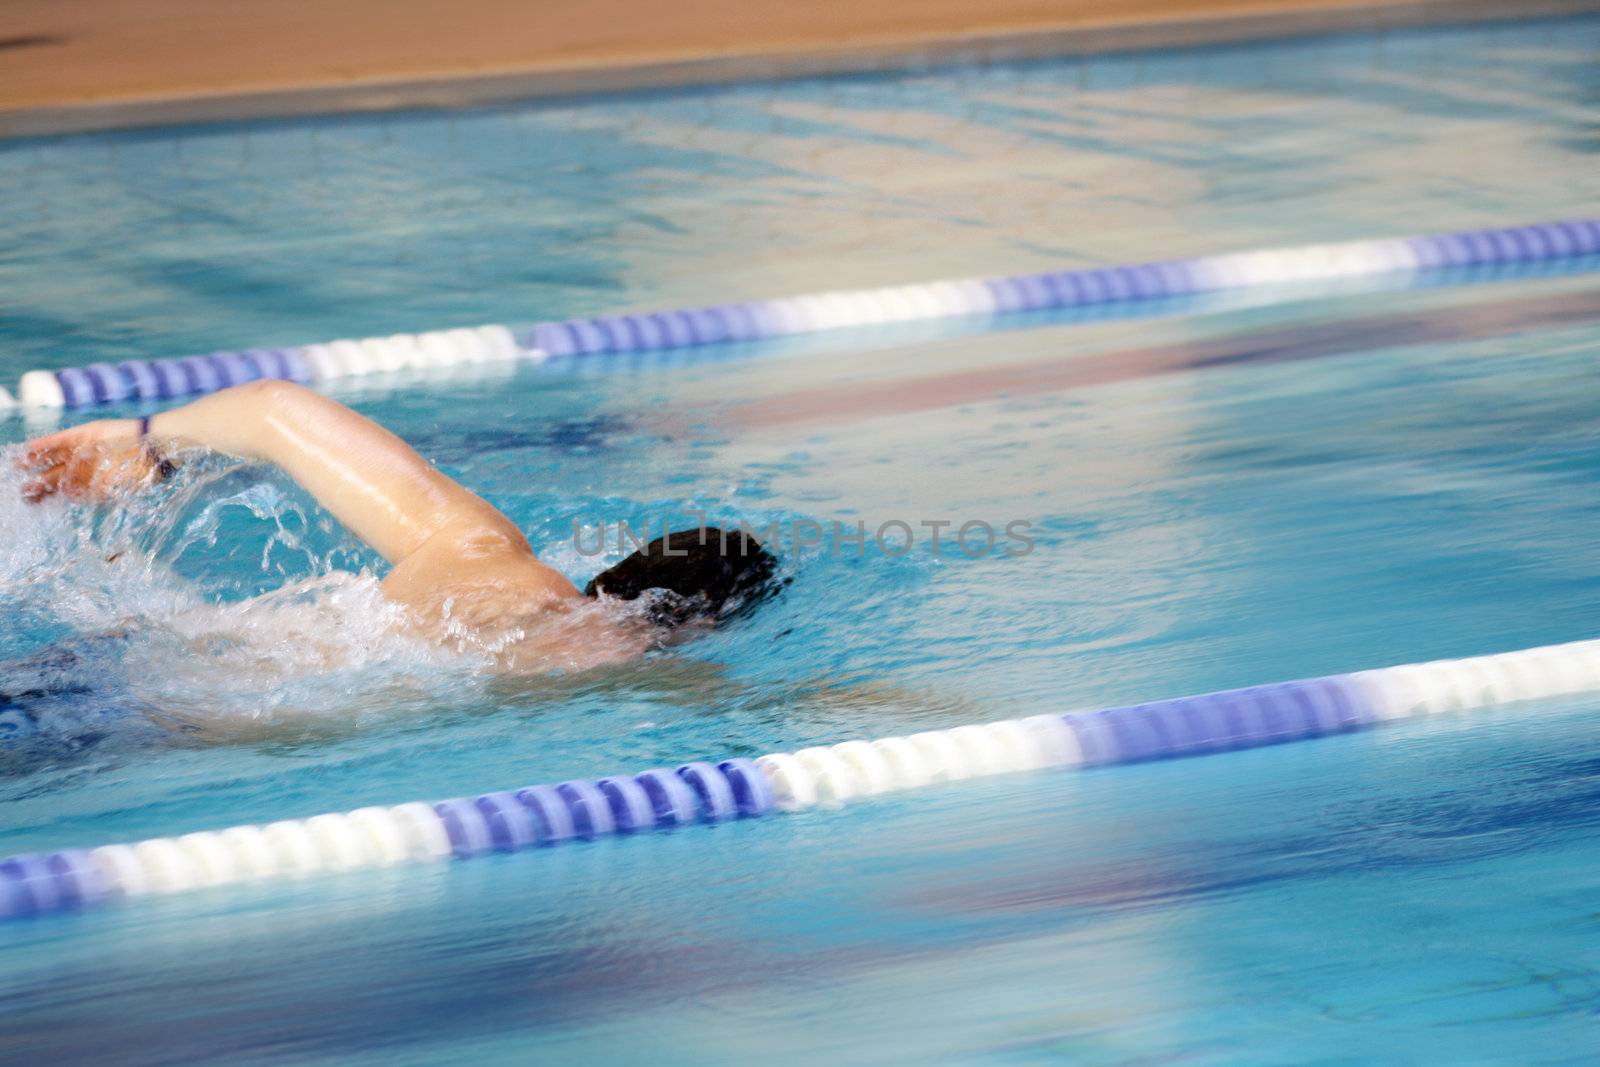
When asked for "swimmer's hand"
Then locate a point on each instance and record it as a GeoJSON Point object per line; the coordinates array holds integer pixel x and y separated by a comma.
{"type": "Point", "coordinates": [96, 461]}
{"type": "Point", "coordinates": [442, 541]}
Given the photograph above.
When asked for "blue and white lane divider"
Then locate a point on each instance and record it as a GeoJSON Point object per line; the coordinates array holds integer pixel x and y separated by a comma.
{"type": "Point", "coordinates": [757, 320]}
{"type": "Point", "coordinates": [579, 810]}
{"type": "Point", "coordinates": [166, 379]}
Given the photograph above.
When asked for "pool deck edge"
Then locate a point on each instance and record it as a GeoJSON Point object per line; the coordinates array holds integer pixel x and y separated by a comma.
{"type": "Point", "coordinates": [555, 78]}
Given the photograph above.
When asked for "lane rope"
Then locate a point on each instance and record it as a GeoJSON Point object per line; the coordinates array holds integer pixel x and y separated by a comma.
{"type": "Point", "coordinates": [704, 792]}
{"type": "Point", "coordinates": [761, 320]}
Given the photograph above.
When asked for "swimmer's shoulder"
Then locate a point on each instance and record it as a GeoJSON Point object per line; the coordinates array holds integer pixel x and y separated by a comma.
{"type": "Point", "coordinates": [477, 567]}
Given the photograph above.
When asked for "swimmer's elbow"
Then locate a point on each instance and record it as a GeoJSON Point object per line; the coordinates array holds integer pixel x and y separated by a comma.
{"type": "Point", "coordinates": [273, 403]}
{"type": "Point", "coordinates": [272, 393]}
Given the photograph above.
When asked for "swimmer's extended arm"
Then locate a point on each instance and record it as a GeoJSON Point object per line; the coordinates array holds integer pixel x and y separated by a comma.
{"type": "Point", "coordinates": [371, 480]}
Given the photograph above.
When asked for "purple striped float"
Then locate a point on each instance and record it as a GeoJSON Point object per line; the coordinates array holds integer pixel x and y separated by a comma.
{"type": "Point", "coordinates": [760, 320]}
{"type": "Point", "coordinates": [581, 810]}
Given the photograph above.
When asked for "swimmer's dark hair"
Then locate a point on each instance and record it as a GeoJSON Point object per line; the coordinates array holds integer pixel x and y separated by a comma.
{"type": "Point", "coordinates": [705, 572]}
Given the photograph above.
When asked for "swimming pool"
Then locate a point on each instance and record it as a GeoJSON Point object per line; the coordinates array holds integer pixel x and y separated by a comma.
{"type": "Point", "coordinates": [1406, 494]}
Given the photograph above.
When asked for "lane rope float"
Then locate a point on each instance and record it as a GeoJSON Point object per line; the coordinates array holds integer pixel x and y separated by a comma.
{"type": "Point", "coordinates": [761, 320]}
{"type": "Point", "coordinates": [705, 792]}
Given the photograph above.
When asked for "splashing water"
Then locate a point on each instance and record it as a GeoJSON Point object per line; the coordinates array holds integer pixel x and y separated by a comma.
{"type": "Point", "coordinates": [222, 604]}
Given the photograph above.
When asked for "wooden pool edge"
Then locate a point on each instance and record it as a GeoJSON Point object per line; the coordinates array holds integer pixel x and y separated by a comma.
{"type": "Point", "coordinates": [760, 60]}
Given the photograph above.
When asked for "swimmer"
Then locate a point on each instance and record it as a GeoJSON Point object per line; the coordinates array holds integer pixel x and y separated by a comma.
{"type": "Point", "coordinates": [464, 570]}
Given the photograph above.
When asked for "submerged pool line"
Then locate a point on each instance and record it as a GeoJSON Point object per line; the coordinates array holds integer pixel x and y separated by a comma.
{"type": "Point", "coordinates": [38, 884]}
{"type": "Point", "coordinates": [757, 320]}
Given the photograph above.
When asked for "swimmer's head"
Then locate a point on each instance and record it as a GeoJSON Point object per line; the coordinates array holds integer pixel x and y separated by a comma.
{"type": "Point", "coordinates": [704, 573]}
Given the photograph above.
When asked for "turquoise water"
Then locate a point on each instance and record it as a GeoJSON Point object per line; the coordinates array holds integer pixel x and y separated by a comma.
{"type": "Point", "coordinates": [1216, 499]}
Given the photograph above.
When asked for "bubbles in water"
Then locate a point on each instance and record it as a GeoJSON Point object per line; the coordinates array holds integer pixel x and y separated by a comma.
{"type": "Point", "coordinates": [107, 626]}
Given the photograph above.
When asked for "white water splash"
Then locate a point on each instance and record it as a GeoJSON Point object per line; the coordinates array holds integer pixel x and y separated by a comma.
{"type": "Point", "coordinates": [99, 609]}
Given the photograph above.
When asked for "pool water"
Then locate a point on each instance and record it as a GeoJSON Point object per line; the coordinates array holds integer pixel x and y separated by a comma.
{"type": "Point", "coordinates": [1215, 498]}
